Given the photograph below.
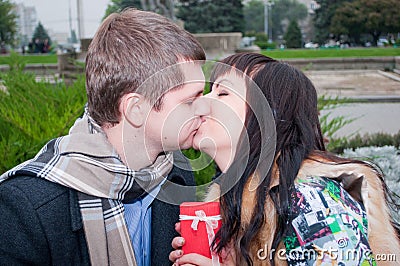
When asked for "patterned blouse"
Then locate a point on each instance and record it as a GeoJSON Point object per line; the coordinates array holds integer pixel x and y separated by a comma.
{"type": "Point", "coordinates": [326, 226]}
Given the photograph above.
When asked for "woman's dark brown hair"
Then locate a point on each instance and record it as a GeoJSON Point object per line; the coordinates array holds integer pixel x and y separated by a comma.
{"type": "Point", "coordinates": [293, 101]}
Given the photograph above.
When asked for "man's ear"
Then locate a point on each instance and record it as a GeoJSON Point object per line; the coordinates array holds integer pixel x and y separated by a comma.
{"type": "Point", "coordinates": [134, 109]}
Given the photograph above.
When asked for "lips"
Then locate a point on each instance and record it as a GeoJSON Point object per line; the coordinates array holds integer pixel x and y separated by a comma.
{"type": "Point", "coordinates": [198, 124]}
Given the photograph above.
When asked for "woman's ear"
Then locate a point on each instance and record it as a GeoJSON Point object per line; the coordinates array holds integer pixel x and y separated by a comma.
{"type": "Point", "coordinates": [134, 109]}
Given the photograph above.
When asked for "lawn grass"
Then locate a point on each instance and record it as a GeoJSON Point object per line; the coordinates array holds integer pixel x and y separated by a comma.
{"type": "Point", "coordinates": [277, 53]}
{"type": "Point", "coordinates": [32, 59]}
{"type": "Point", "coordinates": [331, 53]}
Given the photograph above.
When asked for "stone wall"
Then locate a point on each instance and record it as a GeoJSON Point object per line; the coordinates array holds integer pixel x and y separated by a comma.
{"type": "Point", "coordinates": [219, 45]}
{"type": "Point", "coordinates": [65, 64]}
{"type": "Point", "coordinates": [85, 44]}
{"type": "Point", "coordinates": [70, 64]}
{"type": "Point", "coordinates": [37, 69]}
{"type": "Point", "coordinates": [397, 65]}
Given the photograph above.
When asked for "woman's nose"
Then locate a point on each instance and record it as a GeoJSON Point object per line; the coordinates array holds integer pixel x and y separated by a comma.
{"type": "Point", "coordinates": [202, 106]}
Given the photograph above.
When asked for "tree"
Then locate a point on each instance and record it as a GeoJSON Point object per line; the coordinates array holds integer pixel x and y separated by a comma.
{"type": "Point", "coordinates": [8, 24]}
{"type": "Point", "coordinates": [118, 5]}
{"type": "Point", "coordinates": [293, 35]}
{"type": "Point", "coordinates": [254, 16]}
{"type": "Point", "coordinates": [40, 39]}
{"type": "Point", "coordinates": [212, 16]}
{"type": "Point", "coordinates": [73, 38]}
{"type": "Point", "coordinates": [284, 11]}
{"type": "Point", "coordinates": [323, 18]}
{"type": "Point", "coordinates": [367, 16]}
{"type": "Point", "coordinates": [348, 21]}
{"type": "Point", "coordinates": [163, 7]}
{"type": "Point", "coordinates": [281, 13]}
{"type": "Point", "coordinates": [40, 33]}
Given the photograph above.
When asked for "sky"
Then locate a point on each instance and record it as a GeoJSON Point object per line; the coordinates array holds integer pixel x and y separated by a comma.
{"type": "Point", "coordinates": [54, 14]}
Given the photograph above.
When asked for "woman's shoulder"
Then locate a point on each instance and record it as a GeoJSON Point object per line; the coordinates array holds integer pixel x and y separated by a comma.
{"type": "Point", "coordinates": [318, 165]}
{"type": "Point", "coordinates": [357, 178]}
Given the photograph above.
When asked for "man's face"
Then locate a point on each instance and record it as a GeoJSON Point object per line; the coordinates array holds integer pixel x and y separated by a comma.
{"type": "Point", "coordinates": [174, 126]}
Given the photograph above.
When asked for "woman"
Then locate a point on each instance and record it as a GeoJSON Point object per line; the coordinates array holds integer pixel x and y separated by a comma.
{"type": "Point", "coordinates": [298, 205]}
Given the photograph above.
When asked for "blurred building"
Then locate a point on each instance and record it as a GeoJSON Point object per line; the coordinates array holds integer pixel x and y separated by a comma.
{"type": "Point", "coordinates": [58, 37]}
{"type": "Point", "coordinates": [306, 26]}
{"type": "Point", "coordinates": [26, 22]}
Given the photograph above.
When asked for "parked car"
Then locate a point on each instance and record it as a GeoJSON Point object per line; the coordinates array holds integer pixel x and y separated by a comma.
{"type": "Point", "coordinates": [382, 42]}
{"type": "Point", "coordinates": [332, 44]}
{"type": "Point", "coordinates": [68, 48]}
{"type": "Point", "coordinates": [311, 45]}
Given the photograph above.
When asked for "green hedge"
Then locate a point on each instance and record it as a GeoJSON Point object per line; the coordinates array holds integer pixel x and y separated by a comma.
{"type": "Point", "coordinates": [31, 113]}
{"type": "Point", "coordinates": [368, 140]}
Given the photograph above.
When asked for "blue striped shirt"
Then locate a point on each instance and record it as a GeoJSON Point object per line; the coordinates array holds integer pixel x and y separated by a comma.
{"type": "Point", "coordinates": [138, 221]}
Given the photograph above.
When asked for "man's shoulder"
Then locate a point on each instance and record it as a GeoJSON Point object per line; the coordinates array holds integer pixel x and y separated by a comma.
{"type": "Point", "coordinates": [44, 202]}
{"type": "Point", "coordinates": [37, 190]}
{"type": "Point", "coordinates": [45, 218]}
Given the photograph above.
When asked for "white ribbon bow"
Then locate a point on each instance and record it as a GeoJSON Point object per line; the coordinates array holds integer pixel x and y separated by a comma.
{"type": "Point", "coordinates": [211, 224]}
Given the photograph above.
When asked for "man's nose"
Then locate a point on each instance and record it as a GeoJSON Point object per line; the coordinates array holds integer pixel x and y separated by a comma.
{"type": "Point", "coordinates": [202, 106]}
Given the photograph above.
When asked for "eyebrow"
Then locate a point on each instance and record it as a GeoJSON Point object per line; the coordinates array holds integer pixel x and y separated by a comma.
{"type": "Point", "coordinates": [223, 80]}
{"type": "Point", "coordinates": [193, 94]}
{"type": "Point", "coordinates": [197, 93]}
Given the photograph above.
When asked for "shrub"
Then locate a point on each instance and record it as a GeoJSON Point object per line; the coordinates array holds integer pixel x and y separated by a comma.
{"type": "Point", "coordinates": [377, 139]}
{"type": "Point", "coordinates": [265, 45]}
{"type": "Point", "coordinates": [329, 126]}
{"type": "Point", "coordinates": [293, 35]}
{"type": "Point", "coordinates": [260, 36]}
{"type": "Point", "coordinates": [204, 169]}
{"type": "Point", "coordinates": [203, 166]}
{"type": "Point", "coordinates": [15, 62]}
{"type": "Point", "coordinates": [261, 40]}
{"type": "Point", "coordinates": [32, 113]}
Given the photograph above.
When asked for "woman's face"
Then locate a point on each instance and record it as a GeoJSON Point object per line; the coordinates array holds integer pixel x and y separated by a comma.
{"type": "Point", "coordinates": [219, 132]}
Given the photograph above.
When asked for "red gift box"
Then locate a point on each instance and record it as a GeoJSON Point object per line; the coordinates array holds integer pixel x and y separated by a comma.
{"type": "Point", "coordinates": [196, 215]}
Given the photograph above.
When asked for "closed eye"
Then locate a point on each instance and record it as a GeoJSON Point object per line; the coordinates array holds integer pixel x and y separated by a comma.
{"type": "Point", "coordinates": [189, 102]}
{"type": "Point", "coordinates": [192, 99]}
{"type": "Point", "coordinates": [223, 93]}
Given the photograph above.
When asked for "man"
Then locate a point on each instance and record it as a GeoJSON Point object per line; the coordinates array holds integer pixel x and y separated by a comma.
{"type": "Point", "coordinates": [88, 197]}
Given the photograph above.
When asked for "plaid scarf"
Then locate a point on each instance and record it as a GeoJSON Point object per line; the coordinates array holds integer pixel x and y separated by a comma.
{"type": "Point", "coordinates": [85, 161]}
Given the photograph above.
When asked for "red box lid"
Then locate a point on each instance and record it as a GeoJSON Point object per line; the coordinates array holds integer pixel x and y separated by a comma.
{"type": "Point", "coordinates": [196, 241]}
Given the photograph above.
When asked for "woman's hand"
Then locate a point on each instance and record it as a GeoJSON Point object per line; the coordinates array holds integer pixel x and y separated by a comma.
{"type": "Point", "coordinates": [179, 258]}
{"type": "Point", "coordinates": [193, 259]}
{"type": "Point", "coordinates": [177, 244]}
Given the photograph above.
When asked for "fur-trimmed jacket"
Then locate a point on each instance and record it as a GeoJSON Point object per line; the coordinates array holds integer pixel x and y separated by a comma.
{"type": "Point", "coordinates": [360, 181]}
